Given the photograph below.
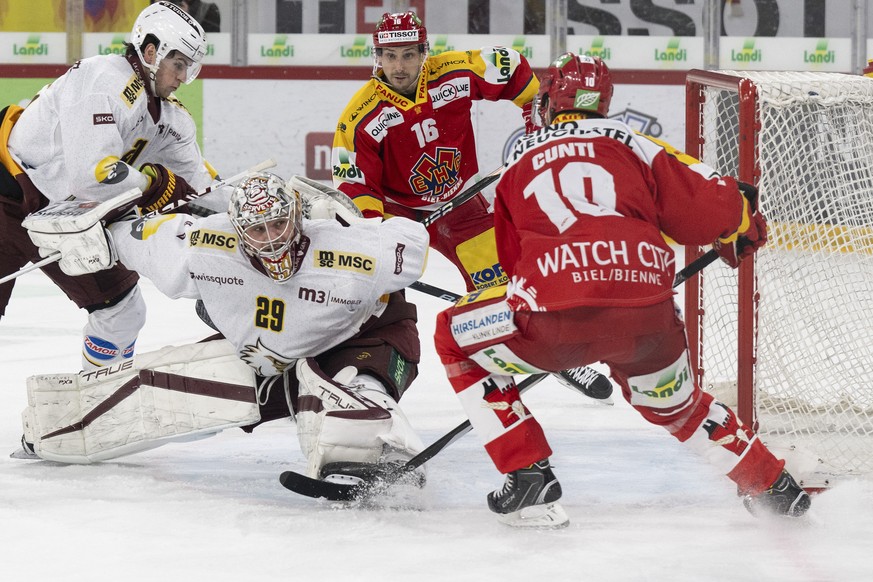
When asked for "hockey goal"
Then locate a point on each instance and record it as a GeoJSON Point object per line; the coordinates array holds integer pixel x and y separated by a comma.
{"type": "Point", "coordinates": [787, 339]}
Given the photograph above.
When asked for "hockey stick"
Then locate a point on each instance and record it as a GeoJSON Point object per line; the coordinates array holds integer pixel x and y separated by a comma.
{"type": "Point", "coordinates": [463, 197]}
{"type": "Point", "coordinates": [443, 210]}
{"type": "Point", "coordinates": [165, 210]}
{"type": "Point", "coordinates": [318, 488]}
{"type": "Point", "coordinates": [344, 492]}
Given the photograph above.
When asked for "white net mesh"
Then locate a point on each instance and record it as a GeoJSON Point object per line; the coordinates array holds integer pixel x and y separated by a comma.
{"type": "Point", "coordinates": [814, 374]}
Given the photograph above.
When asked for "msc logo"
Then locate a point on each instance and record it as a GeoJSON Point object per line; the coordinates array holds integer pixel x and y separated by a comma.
{"type": "Point", "coordinates": [211, 239]}
{"type": "Point", "coordinates": [133, 90]}
{"type": "Point", "coordinates": [346, 261]}
{"type": "Point", "coordinates": [489, 277]}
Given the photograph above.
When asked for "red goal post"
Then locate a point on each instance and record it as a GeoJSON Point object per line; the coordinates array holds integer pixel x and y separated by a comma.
{"type": "Point", "coordinates": [788, 337]}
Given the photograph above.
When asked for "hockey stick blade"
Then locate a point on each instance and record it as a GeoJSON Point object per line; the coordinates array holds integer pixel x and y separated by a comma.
{"type": "Point", "coordinates": [375, 480]}
{"type": "Point", "coordinates": [303, 485]}
{"type": "Point", "coordinates": [319, 489]}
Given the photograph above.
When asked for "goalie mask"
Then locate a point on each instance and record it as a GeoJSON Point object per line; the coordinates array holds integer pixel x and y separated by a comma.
{"type": "Point", "coordinates": [576, 83]}
{"type": "Point", "coordinates": [398, 30]}
{"type": "Point", "coordinates": [268, 218]}
{"type": "Point", "coordinates": [175, 30]}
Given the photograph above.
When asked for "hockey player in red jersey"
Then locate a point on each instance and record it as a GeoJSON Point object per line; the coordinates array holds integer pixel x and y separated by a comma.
{"type": "Point", "coordinates": [404, 145]}
{"type": "Point", "coordinates": [579, 213]}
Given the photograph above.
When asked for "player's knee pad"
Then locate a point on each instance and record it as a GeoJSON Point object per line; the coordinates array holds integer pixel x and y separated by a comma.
{"type": "Point", "coordinates": [173, 394]}
{"type": "Point", "coordinates": [667, 388]}
{"type": "Point", "coordinates": [348, 418]}
{"type": "Point", "coordinates": [111, 332]}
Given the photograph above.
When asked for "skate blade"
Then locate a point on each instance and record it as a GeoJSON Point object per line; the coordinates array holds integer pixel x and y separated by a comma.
{"type": "Point", "coordinates": [25, 455]}
{"type": "Point", "coordinates": [545, 516]}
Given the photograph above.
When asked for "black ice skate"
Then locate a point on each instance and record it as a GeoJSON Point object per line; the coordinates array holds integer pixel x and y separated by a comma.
{"type": "Point", "coordinates": [784, 497]}
{"type": "Point", "coordinates": [587, 381]}
{"type": "Point", "coordinates": [529, 498]}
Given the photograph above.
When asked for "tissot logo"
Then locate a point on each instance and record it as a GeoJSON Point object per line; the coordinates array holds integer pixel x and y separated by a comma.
{"type": "Point", "coordinates": [398, 36]}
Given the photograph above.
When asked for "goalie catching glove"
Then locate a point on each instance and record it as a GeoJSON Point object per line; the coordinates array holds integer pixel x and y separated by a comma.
{"type": "Point", "coordinates": [164, 188]}
{"type": "Point", "coordinates": [72, 229]}
{"type": "Point", "coordinates": [749, 236]}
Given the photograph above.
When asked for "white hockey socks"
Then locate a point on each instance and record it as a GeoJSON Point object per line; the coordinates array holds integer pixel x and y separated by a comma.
{"type": "Point", "coordinates": [110, 334]}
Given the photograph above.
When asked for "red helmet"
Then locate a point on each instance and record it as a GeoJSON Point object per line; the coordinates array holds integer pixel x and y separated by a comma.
{"type": "Point", "coordinates": [402, 28]}
{"type": "Point", "coordinates": [574, 83]}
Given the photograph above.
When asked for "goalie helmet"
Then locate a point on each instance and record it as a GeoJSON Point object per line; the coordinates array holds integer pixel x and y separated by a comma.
{"type": "Point", "coordinates": [268, 218]}
{"type": "Point", "coordinates": [573, 83]}
{"type": "Point", "coordinates": [175, 30]}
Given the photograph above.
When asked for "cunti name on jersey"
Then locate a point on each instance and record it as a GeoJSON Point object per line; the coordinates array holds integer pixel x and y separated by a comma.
{"type": "Point", "coordinates": [345, 261]}
{"type": "Point", "coordinates": [528, 142]}
{"type": "Point", "coordinates": [212, 239]}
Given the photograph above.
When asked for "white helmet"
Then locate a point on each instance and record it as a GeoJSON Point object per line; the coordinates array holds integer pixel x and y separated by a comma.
{"type": "Point", "coordinates": [268, 218]}
{"type": "Point", "coordinates": [175, 30]}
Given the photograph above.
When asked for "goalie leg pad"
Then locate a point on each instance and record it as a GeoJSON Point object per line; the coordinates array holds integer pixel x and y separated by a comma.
{"type": "Point", "coordinates": [174, 394]}
{"type": "Point", "coordinates": [337, 421]}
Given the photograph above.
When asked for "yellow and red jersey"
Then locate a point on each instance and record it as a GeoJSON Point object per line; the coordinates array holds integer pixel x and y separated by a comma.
{"type": "Point", "coordinates": [419, 152]}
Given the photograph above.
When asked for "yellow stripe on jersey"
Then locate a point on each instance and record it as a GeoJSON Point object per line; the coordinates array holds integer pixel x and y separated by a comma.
{"type": "Point", "coordinates": [485, 295]}
{"type": "Point", "coordinates": [369, 206]}
{"type": "Point", "coordinates": [679, 155]}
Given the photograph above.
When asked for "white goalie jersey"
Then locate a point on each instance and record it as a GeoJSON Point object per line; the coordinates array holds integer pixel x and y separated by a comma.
{"type": "Point", "coordinates": [344, 277]}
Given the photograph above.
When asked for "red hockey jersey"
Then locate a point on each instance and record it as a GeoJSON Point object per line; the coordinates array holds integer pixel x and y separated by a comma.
{"type": "Point", "coordinates": [420, 152]}
{"type": "Point", "coordinates": [580, 210]}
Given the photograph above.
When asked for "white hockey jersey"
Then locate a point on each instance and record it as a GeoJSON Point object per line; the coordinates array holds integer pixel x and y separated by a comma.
{"type": "Point", "coordinates": [85, 134]}
{"type": "Point", "coordinates": [344, 278]}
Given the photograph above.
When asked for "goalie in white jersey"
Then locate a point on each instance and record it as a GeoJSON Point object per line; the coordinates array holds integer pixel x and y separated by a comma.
{"type": "Point", "coordinates": [107, 125]}
{"type": "Point", "coordinates": [311, 306]}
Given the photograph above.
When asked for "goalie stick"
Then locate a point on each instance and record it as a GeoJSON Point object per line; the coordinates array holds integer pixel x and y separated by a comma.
{"type": "Point", "coordinates": [392, 473]}
{"type": "Point", "coordinates": [171, 207]}
{"type": "Point", "coordinates": [383, 480]}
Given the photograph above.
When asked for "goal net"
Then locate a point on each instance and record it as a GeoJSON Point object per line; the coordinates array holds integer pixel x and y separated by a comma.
{"type": "Point", "coordinates": [788, 337]}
